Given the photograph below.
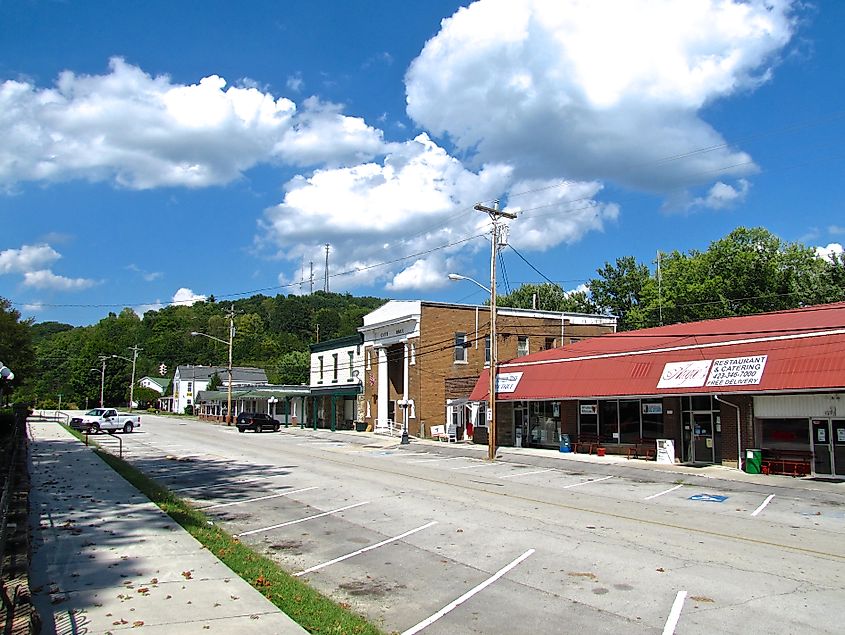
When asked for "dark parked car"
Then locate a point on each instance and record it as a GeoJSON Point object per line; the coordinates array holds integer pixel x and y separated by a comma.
{"type": "Point", "coordinates": [256, 421]}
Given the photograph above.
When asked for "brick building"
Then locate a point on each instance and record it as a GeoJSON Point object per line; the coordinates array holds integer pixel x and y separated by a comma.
{"type": "Point", "coordinates": [421, 359]}
{"type": "Point", "coordinates": [773, 383]}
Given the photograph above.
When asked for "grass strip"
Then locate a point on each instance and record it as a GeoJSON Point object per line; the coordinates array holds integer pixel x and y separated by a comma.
{"type": "Point", "coordinates": [306, 606]}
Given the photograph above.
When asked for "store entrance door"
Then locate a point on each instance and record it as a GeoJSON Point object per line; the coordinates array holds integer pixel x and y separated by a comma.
{"type": "Point", "coordinates": [822, 459]}
{"type": "Point", "coordinates": [703, 445]}
{"type": "Point", "coordinates": [838, 438]}
{"type": "Point", "coordinates": [829, 446]}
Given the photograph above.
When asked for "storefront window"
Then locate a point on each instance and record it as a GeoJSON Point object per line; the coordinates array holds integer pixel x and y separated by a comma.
{"type": "Point", "coordinates": [652, 420]}
{"type": "Point", "coordinates": [588, 419]}
{"type": "Point", "coordinates": [629, 421]}
{"type": "Point", "coordinates": [786, 434]}
{"type": "Point", "coordinates": [609, 421]}
{"type": "Point", "coordinates": [544, 423]}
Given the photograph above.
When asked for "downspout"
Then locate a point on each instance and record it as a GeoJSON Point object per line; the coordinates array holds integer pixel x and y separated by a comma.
{"type": "Point", "coordinates": [738, 430]}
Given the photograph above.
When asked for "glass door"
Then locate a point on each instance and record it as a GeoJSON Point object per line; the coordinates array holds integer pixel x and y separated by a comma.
{"type": "Point", "coordinates": [838, 438]}
{"type": "Point", "coordinates": [822, 459]}
{"type": "Point", "coordinates": [702, 437]}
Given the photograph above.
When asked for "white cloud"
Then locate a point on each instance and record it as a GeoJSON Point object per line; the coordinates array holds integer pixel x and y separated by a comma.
{"type": "Point", "coordinates": [34, 307]}
{"type": "Point", "coordinates": [295, 83]}
{"type": "Point", "coordinates": [321, 134]}
{"type": "Point", "coordinates": [721, 195]}
{"type": "Point", "coordinates": [836, 230]}
{"type": "Point", "coordinates": [597, 90]}
{"type": "Point", "coordinates": [148, 276]}
{"type": "Point", "coordinates": [429, 273]}
{"type": "Point", "coordinates": [27, 258]}
{"type": "Point", "coordinates": [143, 132]}
{"type": "Point", "coordinates": [833, 250]}
{"type": "Point", "coordinates": [552, 212]}
{"type": "Point", "coordinates": [46, 279]}
{"type": "Point", "coordinates": [185, 296]}
{"type": "Point", "coordinates": [419, 198]}
{"type": "Point", "coordinates": [143, 308]}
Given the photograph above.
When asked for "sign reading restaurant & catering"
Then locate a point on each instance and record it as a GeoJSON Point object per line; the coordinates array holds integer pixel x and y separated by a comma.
{"type": "Point", "coordinates": [732, 371]}
{"type": "Point", "coordinates": [507, 382]}
{"type": "Point", "coordinates": [737, 371]}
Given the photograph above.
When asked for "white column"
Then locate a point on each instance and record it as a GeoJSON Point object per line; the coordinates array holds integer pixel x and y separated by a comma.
{"type": "Point", "coordinates": [405, 396]}
{"type": "Point", "coordinates": [381, 415]}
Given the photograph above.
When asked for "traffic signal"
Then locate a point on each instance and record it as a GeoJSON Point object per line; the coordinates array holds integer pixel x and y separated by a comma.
{"type": "Point", "coordinates": [162, 369]}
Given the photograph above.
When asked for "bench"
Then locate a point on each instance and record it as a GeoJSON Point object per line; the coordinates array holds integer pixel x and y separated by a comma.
{"type": "Point", "coordinates": [586, 443]}
{"type": "Point", "coordinates": [786, 462]}
{"type": "Point", "coordinates": [440, 433]}
{"type": "Point", "coordinates": [643, 450]}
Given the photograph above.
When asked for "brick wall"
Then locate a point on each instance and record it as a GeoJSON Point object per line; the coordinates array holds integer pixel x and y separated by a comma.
{"type": "Point", "coordinates": [435, 376]}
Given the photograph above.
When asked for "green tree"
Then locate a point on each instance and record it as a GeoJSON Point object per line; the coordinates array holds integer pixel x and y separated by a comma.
{"type": "Point", "coordinates": [550, 297]}
{"type": "Point", "coordinates": [214, 382]}
{"type": "Point", "coordinates": [619, 290]}
{"type": "Point", "coordinates": [16, 349]}
{"type": "Point", "coordinates": [292, 368]}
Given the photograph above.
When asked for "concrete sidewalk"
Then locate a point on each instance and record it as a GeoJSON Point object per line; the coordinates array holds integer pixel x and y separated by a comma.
{"type": "Point", "coordinates": [105, 559]}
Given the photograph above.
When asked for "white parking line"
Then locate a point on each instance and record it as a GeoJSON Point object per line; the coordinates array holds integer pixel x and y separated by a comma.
{"type": "Point", "coordinates": [469, 467]}
{"type": "Point", "coordinates": [671, 489]}
{"type": "Point", "coordinates": [365, 549]}
{"type": "Point", "coordinates": [182, 473]}
{"type": "Point", "coordinates": [675, 613]}
{"type": "Point", "coordinates": [763, 505]}
{"type": "Point", "coordinates": [595, 480]}
{"type": "Point", "coordinates": [300, 520]}
{"type": "Point", "coordinates": [526, 473]}
{"type": "Point", "coordinates": [229, 483]}
{"type": "Point", "coordinates": [452, 605]}
{"type": "Point", "coordinates": [442, 458]}
{"type": "Point", "coordinates": [260, 498]}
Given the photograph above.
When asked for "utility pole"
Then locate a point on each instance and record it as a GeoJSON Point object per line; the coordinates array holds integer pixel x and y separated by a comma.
{"type": "Point", "coordinates": [135, 350]}
{"type": "Point", "coordinates": [311, 278]}
{"type": "Point", "coordinates": [231, 339]}
{"type": "Point", "coordinates": [495, 214]}
{"type": "Point", "coordinates": [659, 289]}
{"type": "Point", "coordinates": [326, 283]}
{"type": "Point", "coordinates": [103, 359]}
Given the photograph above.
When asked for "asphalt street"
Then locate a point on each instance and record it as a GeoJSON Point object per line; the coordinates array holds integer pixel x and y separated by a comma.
{"type": "Point", "coordinates": [430, 537]}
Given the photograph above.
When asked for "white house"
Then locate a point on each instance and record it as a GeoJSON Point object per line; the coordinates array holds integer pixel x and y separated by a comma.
{"type": "Point", "coordinates": [190, 380]}
{"type": "Point", "coordinates": [337, 369]}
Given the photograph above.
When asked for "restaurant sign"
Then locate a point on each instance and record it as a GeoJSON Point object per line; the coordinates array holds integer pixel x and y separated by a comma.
{"type": "Point", "coordinates": [732, 371]}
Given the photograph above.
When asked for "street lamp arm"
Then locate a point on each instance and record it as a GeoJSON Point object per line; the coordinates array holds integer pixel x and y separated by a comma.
{"type": "Point", "coordinates": [211, 337]}
{"type": "Point", "coordinates": [454, 277]}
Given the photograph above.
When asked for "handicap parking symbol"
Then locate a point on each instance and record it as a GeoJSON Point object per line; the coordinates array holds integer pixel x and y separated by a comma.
{"type": "Point", "coordinates": [709, 498]}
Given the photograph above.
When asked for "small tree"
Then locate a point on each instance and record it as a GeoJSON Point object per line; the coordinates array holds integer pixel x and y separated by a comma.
{"type": "Point", "coordinates": [214, 382]}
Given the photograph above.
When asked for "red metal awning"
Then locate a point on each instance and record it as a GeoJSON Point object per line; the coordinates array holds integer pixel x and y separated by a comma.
{"type": "Point", "coordinates": [799, 350]}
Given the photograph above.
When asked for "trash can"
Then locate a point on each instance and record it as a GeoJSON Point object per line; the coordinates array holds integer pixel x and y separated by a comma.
{"type": "Point", "coordinates": [753, 461]}
{"type": "Point", "coordinates": [360, 426]}
{"type": "Point", "coordinates": [565, 445]}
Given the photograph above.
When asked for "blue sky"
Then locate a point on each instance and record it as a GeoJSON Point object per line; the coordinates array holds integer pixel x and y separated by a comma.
{"type": "Point", "coordinates": [157, 152]}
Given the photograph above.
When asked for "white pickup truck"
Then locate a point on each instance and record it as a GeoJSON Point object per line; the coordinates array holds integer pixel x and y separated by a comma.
{"type": "Point", "coordinates": [106, 419]}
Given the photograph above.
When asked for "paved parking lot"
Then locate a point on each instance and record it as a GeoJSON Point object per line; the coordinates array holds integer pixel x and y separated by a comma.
{"type": "Point", "coordinates": [432, 537]}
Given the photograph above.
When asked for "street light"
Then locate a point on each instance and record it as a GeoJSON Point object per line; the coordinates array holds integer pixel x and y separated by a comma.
{"type": "Point", "coordinates": [404, 404]}
{"type": "Point", "coordinates": [454, 277]}
{"type": "Point", "coordinates": [229, 367]}
{"type": "Point", "coordinates": [491, 417]}
{"type": "Point", "coordinates": [102, 372]}
{"type": "Point", "coordinates": [5, 373]}
{"type": "Point", "coordinates": [135, 351]}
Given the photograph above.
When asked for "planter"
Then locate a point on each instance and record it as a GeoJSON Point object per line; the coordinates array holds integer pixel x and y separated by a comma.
{"type": "Point", "coordinates": [600, 452]}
